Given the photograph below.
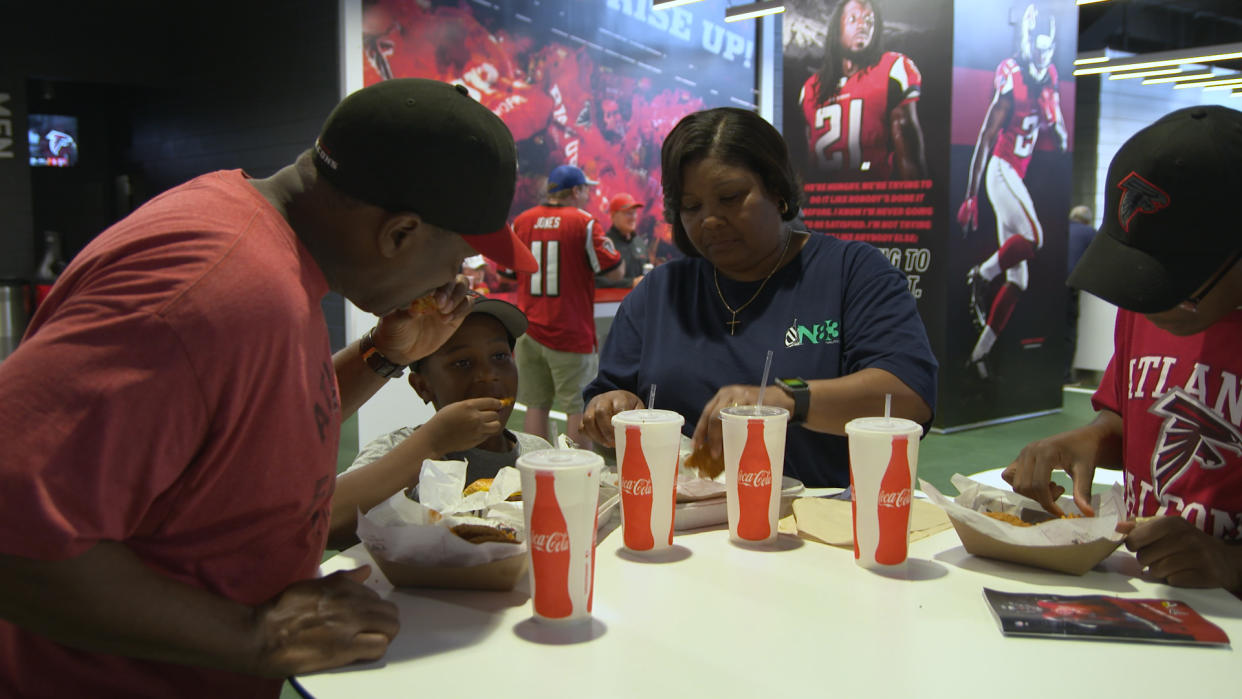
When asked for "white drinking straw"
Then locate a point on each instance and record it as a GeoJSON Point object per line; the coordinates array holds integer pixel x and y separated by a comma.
{"type": "Point", "coordinates": [767, 366]}
{"type": "Point", "coordinates": [651, 398]}
{"type": "Point", "coordinates": [888, 405]}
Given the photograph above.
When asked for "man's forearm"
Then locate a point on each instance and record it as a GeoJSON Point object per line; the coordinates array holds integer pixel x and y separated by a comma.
{"type": "Point", "coordinates": [107, 600]}
{"type": "Point", "coordinates": [356, 381]}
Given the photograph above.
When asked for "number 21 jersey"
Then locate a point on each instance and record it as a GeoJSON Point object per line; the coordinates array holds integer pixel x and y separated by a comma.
{"type": "Point", "coordinates": [851, 131]}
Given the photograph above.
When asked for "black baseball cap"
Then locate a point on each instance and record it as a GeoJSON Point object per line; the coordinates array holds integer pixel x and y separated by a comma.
{"type": "Point", "coordinates": [1168, 221]}
{"type": "Point", "coordinates": [427, 147]}
{"type": "Point", "coordinates": [510, 316]}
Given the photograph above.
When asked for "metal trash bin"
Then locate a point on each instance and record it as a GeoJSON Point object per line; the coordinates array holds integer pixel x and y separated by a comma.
{"type": "Point", "coordinates": [15, 306]}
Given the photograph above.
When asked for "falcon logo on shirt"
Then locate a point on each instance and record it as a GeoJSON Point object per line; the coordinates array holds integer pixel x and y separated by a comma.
{"type": "Point", "coordinates": [1191, 432]}
{"type": "Point", "coordinates": [1138, 196]}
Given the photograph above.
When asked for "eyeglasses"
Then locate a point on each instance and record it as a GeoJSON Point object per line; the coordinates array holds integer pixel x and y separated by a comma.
{"type": "Point", "coordinates": [1192, 304]}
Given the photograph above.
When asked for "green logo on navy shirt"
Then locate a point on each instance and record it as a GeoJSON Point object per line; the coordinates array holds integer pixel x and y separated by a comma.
{"type": "Point", "coordinates": [826, 332]}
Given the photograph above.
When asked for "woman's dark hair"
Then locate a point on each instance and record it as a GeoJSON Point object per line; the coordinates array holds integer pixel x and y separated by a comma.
{"type": "Point", "coordinates": [736, 137]}
{"type": "Point", "coordinates": [830, 73]}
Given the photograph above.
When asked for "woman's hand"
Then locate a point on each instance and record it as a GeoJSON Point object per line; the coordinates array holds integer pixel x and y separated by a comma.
{"type": "Point", "coordinates": [708, 432]}
{"type": "Point", "coordinates": [463, 425]}
{"type": "Point", "coordinates": [409, 334]}
{"type": "Point", "coordinates": [597, 418]}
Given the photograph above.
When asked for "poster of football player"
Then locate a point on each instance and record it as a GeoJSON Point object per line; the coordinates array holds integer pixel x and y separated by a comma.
{"type": "Point", "coordinates": [592, 83]}
{"type": "Point", "coordinates": [865, 109]}
{"type": "Point", "coordinates": [1012, 126]}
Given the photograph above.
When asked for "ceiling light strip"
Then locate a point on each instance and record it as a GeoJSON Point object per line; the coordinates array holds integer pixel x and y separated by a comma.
{"type": "Point", "coordinates": [1202, 54]}
{"type": "Point", "coordinates": [751, 10]}
{"type": "Point", "coordinates": [1184, 75]}
{"type": "Point", "coordinates": [1143, 73]}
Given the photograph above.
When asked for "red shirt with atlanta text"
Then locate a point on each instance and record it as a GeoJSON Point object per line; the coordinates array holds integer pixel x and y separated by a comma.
{"type": "Point", "coordinates": [1180, 400]}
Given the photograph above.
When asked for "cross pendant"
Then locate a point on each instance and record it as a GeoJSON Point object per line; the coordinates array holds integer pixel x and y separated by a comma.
{"type": "Point", "coordinates": [733, 323]}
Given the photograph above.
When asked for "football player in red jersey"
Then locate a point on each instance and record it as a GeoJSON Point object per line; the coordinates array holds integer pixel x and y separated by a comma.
{"type": "Point", "coordinates": [1025, 101]}
{"type": "Point", "coordinates": [860, 112]}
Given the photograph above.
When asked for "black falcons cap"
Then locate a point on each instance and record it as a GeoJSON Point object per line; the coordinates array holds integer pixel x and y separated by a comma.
{"type": "Point", "coordinates": [427, 147]}
{"type": "Point", "coordinates": [1169, 220]}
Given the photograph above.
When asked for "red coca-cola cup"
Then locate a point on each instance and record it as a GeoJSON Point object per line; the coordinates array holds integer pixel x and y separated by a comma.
{"type": "Point", "coordinates": [560, 495]}
{"type": "Point", "coordinates": [884, 458]}
{"type": "Point", "coordinates": [754, 457]}
{"type": "Point", "coordinates": [648, 449]}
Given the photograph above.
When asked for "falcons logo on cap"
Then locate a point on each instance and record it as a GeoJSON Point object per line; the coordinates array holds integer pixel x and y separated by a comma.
{"type": "Point", "coordinates": [1191, 432]}
{"type": "Point", "coordinates": [1138, 196]}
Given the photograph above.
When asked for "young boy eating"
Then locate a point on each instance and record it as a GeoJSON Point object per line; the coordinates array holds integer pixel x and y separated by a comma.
{"type": "Point", "coordinates": [471, 380]}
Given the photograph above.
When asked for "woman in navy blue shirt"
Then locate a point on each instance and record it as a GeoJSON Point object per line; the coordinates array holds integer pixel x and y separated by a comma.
{"type": "Point", "coordinates": [835, 313]}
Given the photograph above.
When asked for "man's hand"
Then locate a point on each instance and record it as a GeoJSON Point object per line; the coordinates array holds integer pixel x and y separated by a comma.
{"type": "Point", "coordinates": [324, 623]}
{"type": "Point", "coordinates": [407, 334]}
{"type": "Point", "coordinates": [1175, 551]}
{"type": "Point", "coordinates": [464, 424]}
{"type": "Point", "coordinates": [597, 418]}
{"type": "Point", "coordinates": [968, 214]}
{"type": "Point", "coordinates": [1031, 473]}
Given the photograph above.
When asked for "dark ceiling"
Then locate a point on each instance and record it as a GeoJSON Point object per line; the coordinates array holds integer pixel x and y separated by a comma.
{"type": "Point", "coordinates": [1141, 26]}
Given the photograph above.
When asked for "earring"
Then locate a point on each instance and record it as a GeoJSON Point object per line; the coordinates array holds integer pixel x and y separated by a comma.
{"type": "Point", "coordinates": [784, 208]}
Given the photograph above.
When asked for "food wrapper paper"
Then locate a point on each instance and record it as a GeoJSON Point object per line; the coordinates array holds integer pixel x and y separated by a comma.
{"type": "Point", "coordinates": [1067, 545]}
{"type": "Point", "coordinates": [402, 530]}
{"type": "Point", "coordinates": [831, 521]}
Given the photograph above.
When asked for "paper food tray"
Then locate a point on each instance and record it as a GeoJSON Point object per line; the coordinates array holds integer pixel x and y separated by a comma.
{"type": "Point", "coordinates": [1068, 546]}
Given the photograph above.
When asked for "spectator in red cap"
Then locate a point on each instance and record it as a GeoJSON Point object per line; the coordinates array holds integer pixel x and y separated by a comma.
{"type": "Point", "coordinates": [632, 246]}
{"type": "Point", "coordinates": [1169, 413]}
{"type": "Point", "coordinates": [171, 419]}
{"type": "Point", "coordinates": [557, 356]}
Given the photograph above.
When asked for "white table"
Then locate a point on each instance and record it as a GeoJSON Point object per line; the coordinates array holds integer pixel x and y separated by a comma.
{"type": "Point", "coordinates": [797, 620]}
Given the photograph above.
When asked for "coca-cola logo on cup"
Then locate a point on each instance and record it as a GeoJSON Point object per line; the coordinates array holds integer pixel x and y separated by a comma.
{"type": "Point", "coordinates": [556, 542]}
{"type": "Point", "coordinates": [895, 498]}
{"type": "Point", "coordinates": [639, 486]}
{"type": "Point", "coordinates": [755, 479]}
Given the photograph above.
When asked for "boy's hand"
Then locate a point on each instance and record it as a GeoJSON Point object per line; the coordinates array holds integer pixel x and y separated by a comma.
{"type": "Point", "coordinates": [1174, 550]}
{"type": "Point", "coordinates": [464, 424]}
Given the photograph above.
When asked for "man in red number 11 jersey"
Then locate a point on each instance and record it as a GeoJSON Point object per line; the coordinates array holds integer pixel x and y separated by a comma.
{"type": "Point", "coordinates": [556, 357]}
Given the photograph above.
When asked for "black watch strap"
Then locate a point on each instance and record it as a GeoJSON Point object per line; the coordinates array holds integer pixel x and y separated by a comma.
{"type": "Point", "coordinates": [378, 362]}
{"type": "Point", "coordinates": [800, 392]}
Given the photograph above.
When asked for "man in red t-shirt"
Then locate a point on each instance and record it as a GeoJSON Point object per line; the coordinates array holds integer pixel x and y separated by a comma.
{"type": "Point", "coordinates": [860, 108]}
{"type": "Point", "coordinates": [170, 420]}
{"type": "Point", "coordinates": [1170, 404]}
{"type": "Point", "coordinates": [556, 357]}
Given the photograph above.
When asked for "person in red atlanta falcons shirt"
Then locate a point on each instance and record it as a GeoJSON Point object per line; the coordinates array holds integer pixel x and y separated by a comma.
{"type": "Point", "coordinates": [1025, 101]}
{"type": "Point", "coordinates": [861, 119]}
{"type": "Point", "coordinates": [556, 357]}
{"type": "Point", "coordinates": [1170, 403]}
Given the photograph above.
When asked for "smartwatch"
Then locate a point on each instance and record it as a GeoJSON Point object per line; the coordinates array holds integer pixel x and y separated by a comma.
{"type": "Point", "coordinates": [378, 362]}
{"type": "Point", "coordinates": [800, 392]}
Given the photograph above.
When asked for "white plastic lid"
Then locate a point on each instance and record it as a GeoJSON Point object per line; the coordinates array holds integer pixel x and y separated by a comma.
{"type": "Point", "coordinates": [884, 425]}
{"type": "Point", "coordinates": [648, 416]}
{"type": "Point", "coordinates": [749, 411]}
{"type": "Point", "coordinates": [552, 459]}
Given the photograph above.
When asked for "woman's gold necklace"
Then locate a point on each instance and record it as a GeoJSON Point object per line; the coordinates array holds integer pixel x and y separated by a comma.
{"type": "Point", "coordinates": [733, 322]}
